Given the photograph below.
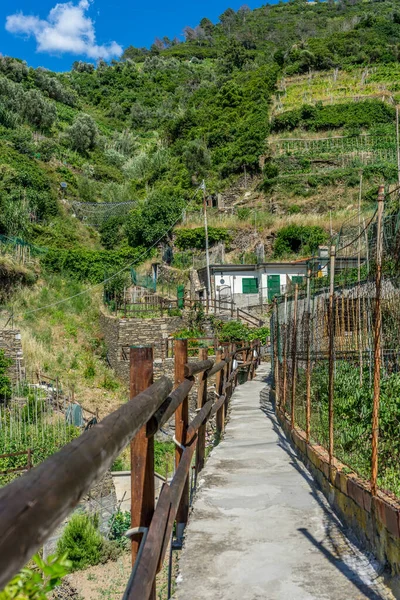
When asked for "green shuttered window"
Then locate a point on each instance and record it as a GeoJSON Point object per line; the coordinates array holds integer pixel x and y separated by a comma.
{"type": "Point", "coordinates": [250, 285]}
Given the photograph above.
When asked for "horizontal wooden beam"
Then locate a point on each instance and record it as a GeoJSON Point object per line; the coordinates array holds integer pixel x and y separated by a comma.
{"type": "Point", "coordinates": [193, 368]}
{"type": "Point", "coordinates": [32, 506]}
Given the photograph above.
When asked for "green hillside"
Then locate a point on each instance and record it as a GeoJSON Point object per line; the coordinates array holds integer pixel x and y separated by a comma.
{"type": "Point", "coordinates": [148, 128]}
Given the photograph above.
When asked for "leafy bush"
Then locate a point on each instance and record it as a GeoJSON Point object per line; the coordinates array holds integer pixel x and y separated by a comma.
{"type": "Point", "coordinates": [5, 381]}
{"type": "Point", "coordinates": [83, 133]}
{"type": "Point", "coordinates": [119, 523]}
{"type": "Point", "coordinates": [82, 542]}
{"type": "Point", "coordinates": [146, 225]}
{"type": "Point", "coordinates": [298, 239]}
{"type": "Point", "coordinates": [367, 113]}
{"type": "Point", "coordinates": [236, 331]}
{"type": "Point", "coordinates": [35, 583]}
{"type": "Point", "coordinates": [195, 238]}
{"type": "Point", "coordinates": [87, 265]}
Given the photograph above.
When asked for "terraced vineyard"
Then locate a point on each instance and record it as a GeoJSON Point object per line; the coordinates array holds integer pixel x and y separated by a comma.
{"type": "Point", "coordinates": [329, 87]}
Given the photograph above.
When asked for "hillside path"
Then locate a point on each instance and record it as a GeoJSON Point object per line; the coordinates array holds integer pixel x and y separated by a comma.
{"type": "Point", "coordinates": [260, 529]}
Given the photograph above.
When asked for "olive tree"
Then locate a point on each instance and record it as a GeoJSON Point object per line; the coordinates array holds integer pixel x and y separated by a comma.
{"type": "Point", "coordinates": [83, 133]}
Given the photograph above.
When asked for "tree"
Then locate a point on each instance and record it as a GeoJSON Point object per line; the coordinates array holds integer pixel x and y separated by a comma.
{"type": "Point", "coordinates": [39, 112]}
{"type": "Point", "coordinates": [152, 222]}
{"type": "Point", "coordinates": [197, 157]}
{"type": "Point", "coordinates": [233, 56]}
{"type": "Point", "coordinates": [82, 67]}
{"type": "Point", "coordinates": [83, 133]}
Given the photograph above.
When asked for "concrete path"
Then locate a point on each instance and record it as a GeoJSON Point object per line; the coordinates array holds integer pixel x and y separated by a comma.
{"type": "Point", "coordinates": [260, 529]}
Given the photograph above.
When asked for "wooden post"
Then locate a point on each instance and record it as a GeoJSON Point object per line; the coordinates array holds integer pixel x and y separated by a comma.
{"type": "Point", "coordinates": [284, 359]}
{"type": "Point", "coordinates": [377, 344]}
{"type": "Point", "coordinates": [294, 356]}
{"type": "Point", "coordinates": [331, 332]}
{"type": "Point", "coordinates": [142, 450]}
{"type": "Point", "coordinates": [219, 383]}
{"type": "Point", "coordinates": [308, 364]}
{"type": "Point", "coordinates": [181, 425]}
{"type": "Point", "coordinates": [29, 458]}
{"type": "Point", "coordinates": [201, 400]}
{"type": "Point", "coordinates": [227, 371]}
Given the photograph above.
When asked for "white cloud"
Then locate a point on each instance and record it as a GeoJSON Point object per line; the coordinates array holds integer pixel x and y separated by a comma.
{"type": "Point", "coordinates": [66, 29]}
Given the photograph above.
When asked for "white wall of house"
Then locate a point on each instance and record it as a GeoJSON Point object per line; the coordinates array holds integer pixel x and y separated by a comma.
{"type": "Point", "coordinates": [230, 285]}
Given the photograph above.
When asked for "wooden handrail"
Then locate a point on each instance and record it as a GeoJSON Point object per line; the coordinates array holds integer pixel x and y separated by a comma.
{"type": "Point", "coordinates": [32, 506]}
{"type": "Point", "coordinates": [35, 504]}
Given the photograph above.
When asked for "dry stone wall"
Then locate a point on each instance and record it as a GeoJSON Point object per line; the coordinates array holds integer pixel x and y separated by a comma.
{"type": "Point", "coordinates": [10, 342]}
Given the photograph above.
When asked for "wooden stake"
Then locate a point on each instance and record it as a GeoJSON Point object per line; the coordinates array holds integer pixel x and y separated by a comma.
{"type": "Point", "coordinates": [308, 364]}
{"type": "Point", "coordinates": [294, 356]}
{"type": "Point", "coordinates": [219, 382]}
{"type": "Point", "coordinates": [331, 332]}
{"type": "Point", "coordinates": [201, 400]}
{"type": "Point", "coordinates": [377, 344]}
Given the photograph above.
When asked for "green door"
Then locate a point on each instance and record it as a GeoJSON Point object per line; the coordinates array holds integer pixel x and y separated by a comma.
{"type": "Point", "coordinates": [180, 292]}
{"type": "Point", "coordinates": [274, 286]}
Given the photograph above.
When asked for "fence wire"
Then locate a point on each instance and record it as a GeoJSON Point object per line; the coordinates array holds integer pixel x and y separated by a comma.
{"type": "Point", "coordinates": [314, 330]}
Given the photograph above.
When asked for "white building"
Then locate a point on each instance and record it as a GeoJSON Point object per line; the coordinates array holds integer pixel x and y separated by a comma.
{"type": "Point", "coordinates": [248, 285]}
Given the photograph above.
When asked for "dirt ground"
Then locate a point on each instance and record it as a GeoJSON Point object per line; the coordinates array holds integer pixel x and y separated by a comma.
{"type": "Point", "coordinates": [108, 582]}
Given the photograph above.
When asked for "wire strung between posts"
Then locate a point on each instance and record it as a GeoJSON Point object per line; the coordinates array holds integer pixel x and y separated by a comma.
{"type": "Point", "coordinates": [128, 266]}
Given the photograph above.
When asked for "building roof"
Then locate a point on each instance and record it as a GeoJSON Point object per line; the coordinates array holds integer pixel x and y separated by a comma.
{"type": "Point", "coordinates": [235, 267]}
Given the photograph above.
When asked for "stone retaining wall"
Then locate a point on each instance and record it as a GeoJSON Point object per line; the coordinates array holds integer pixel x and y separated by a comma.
{"type": "Point", "coordinates": [375, 520]}
{"type": "Point", "coordinates": [10, 342]}
{"type": "Point", "coordinates": [119, 333]}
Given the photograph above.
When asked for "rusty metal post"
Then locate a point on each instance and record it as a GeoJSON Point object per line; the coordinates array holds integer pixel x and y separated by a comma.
{"type": "Point", "coordinates": [308, 364]}
{"type": "Point", "coordinates": [275, 354]}
{"type": "Point", "coordinates": [201, 400]}
{"type": "Point", "coordinates": [294, 356]}
{"type": "Point", "coordinates": [142, 449]}
{"type": "Point", "coordinates": [331, 332]}
{"type": "Point", "coordinates": [377, 344]}
{"type": "Point", "coordinates": [181, 425]}
{"type": "Point", "coordinates": [219, 383]}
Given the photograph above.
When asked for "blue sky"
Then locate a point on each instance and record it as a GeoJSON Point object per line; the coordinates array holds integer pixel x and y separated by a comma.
{"type": "Point", "coordinates": [53, 35]}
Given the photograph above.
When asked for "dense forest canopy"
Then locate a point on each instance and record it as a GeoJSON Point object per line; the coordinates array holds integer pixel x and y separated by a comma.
{"type": "Point", "coordinates": [150, 126]}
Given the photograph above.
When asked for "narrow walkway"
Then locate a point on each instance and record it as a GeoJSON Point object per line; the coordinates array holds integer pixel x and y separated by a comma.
{"type": "Point", "coordinates": [260, 529]}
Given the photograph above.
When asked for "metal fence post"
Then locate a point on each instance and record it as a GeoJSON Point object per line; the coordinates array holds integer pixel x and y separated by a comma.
{"type": "Point", "coordinates": [377, 344]}
{"type": "Point", "coordinates": [142, 449]}
{"type": "Point", "coordinates": [294, 356]}
{"type": "Point", "coordinates": [331, 333]}
{"type": "Point", "coordinates": [201, 400]}
{"type": "Point", "coordinates": [181, 425]}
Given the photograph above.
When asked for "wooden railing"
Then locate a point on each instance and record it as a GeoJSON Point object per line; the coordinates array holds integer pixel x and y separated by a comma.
{"type": "Point", "coordinates": [32, 506]}
{"type": "Point", "coordinates": [153, 303]}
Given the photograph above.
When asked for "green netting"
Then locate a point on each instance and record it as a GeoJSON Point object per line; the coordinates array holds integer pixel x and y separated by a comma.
{"type": "Point", "coordinates": [143, 280]}
{"type": "Point", "coordinates": [14, 242]}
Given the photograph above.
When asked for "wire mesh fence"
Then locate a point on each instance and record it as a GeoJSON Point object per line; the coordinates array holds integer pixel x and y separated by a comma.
{"type": "Point", "coordinates": [336, 347]}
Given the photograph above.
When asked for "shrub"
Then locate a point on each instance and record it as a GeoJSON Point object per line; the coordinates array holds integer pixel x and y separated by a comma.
{"type": "Point", "coordinates": [195, 238]}
{"type": "Point", "coordinates": [145, 226]}
{"type": "Point", "coordinates": [367, 113]}
{"type": "Point", "coordinates": [243, 213]}
{"type": "Point", "coordinates": [83, 133]}
{"type": "Point", "coordinates": [35, 583]}
{"type": "Point", "coordinates": [81, 541]}
{"type": "Point", "coordinates": [298, 239]}
{"type": "Point", "coordinates": [119, 523]}
{"type": "Point", "coordinates": [5, 381]}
